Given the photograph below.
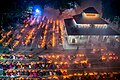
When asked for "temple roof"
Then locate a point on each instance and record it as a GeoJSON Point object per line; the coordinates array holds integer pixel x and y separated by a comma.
{"type": "Point", "coordinates": [72, 29]}
{"type": "Point", "coordinates": [90, 10]}
{"type": "Point", "coordinates": [80, 20]}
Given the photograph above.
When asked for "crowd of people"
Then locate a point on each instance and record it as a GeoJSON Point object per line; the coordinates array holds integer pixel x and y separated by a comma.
{"type": "Point", "coordinates": [48, 67]}
{"type": "Point", "coordinates": [14, 56]}
{"type": "Point", "coordinates": [31, 73]}
{"type": "Point", "coordinates": [93, 77]}
{"type": "Point", "coordinates": [12, 66]}
{"type": "Point", "coordinates": [57, 75]}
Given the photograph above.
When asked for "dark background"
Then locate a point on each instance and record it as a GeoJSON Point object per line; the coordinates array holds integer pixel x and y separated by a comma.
{"type": "Point", "coordinates": [110, 8]}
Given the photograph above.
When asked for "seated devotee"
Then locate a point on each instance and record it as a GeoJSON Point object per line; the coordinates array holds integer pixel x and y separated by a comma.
{"type": "Point", "coordinates": [27, 73]}
{"type": "Point", "coordinates": [17, 73]}
{"type": "Point", "coordinates": [13, 56]}
{"type": "Point", "coordinates": [35, 74]}
{"type": "Point", "coordinates": [31, 74]}
{"type": "Point", "coordinates": [12, 75]}
{"type": "Point", "coordinates": [10, 66]}
{"type": "Point", "coordinates": [1, 65]}
{"type": "Point", "coordinates": [1, 57]}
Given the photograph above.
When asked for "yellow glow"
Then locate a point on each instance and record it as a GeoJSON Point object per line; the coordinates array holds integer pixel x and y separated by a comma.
{"type": "Point", "coordinates": [102, 49]}
{"type": "Point", "coordinates": [51, 20]}
{"type": "Point", "coordinates": [49, 56]}
{"type": "Point", "coordinates": [55, 77]}
{"type": "Point", "coordinates": [57, 29]}
{"type": "Point", "coordinates": [70, 75]}
{"type": "Point", "coordinates": [26, 25]}
{"type": "Point", "coordinates": [41, 56]}
{"type": "Point", "coordinates": [8, 41]}
{"type": "Point", "coordinates": [44, 38]}
{"type": "Point", "coordinates": [75, 74]}
{"type": "Point", "coordinates": [53, 40]}
{"type": "Point", "coordinates": [65, 63]}
{"type": "Point", "coordinates": [16, 43]}
{"type": "Point", "coordinates": [61, 62]}
{"type": "Point", "coordinates": [94, 50]}
{"type": "Point", "coordinates": [48, 21]}
{"type": "Point", "coordinates": [53, 56]}
{"type": "Point", "coordinates": [1, 40]}
{"type": "Point", "coordinates": [33, 40]}
{"type": "Point", "coordinates": [84, 61]}
{"type": "Point", "coordinates": [110, 58]}
{"type": "Point", "coordinates": [90, 15]}
{"type": "Point", "coordinates": [43, 18]}
{"type": "Point", "coordinates": [62, 32]}
{"type": "Point", "coordinates": [75, 62]}
{"type": "Point", "coordinates": [95, 73]}
{"type": "Point", "coordinates": [18, 36]}
{"type": "Point", "coordinates": [57, 22]}
{"type": "Point", "coordinates": [90, 73]}
{"type": "Point", "coordinates": [81, 55]}
{"type": "Point", "coordinates": [79, 74]}
{"type": "Point", "coordinates": [103, 58]}
{"type": "Point", "coordinates": [8, 33]}
{"type": "Point", "coordinates": [22, 30]}
{"type": "Point", "coordinates": [39, 25]}
{"type": "Point", "coordinates": [30, 33]}
{"type": "Point", "coordinates": [53, 34]}
{"type": "Point", "coordinates": [57, 56]}
{"type": "Point", "coordinates": [50, 61]}
{"type": "Point", "coordinates": [55, 62]}
{"type": "Point", "coordinates": [32, 22]}
{"type": "Point", "coordinates": [49, 77]}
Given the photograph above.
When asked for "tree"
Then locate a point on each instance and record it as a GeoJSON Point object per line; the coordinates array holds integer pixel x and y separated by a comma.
{"type": "Point", "coordinates": [13, 10]}
{"type": "Point", "coordinates": [11, 13]}
{"type": "Point", "coordinates": [110, 9]}
{"type": "Point", "coordinates": [64, 4]}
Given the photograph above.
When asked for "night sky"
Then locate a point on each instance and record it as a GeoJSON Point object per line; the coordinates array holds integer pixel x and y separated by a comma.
{"type": "Point", "coordinates": [109, 7]}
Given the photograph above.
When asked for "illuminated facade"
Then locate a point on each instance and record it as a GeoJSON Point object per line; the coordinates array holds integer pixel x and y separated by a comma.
{"type": "Point", "coordinates": [88, 30]}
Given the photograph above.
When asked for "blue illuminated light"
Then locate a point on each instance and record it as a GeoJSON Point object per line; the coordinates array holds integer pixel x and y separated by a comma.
{"type": "Point", "coordinates": [37, 10]}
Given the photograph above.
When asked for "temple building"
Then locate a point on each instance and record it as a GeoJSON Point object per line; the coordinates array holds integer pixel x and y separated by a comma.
{"type": "Point", "coordinates": [88, 29]}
